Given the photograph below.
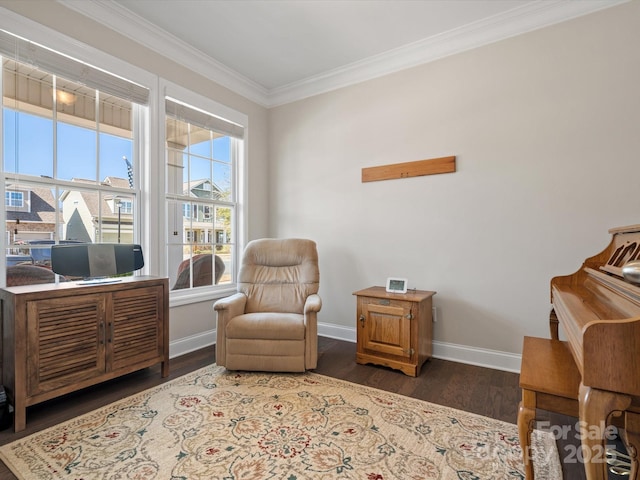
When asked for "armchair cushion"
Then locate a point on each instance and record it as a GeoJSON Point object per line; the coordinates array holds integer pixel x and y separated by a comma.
{"type": "Point", "coordinates": [279, 275]}
{"type": "Point", "coordinates": [267, 326]}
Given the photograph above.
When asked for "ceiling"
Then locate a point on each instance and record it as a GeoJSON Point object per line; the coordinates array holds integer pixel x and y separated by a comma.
{"type": "Point", "coordinates": [275, 51]}
{"type": "Point", "coordinates": [276, 43]}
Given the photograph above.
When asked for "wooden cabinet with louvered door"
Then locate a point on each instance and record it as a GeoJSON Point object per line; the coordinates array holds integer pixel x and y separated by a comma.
{"type": "Point", "coordinates": [58, 338]}
{"type": "Point", "coordinates": [394, 329]}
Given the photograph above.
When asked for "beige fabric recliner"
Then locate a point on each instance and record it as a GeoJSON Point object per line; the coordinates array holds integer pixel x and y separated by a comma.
{"type": "Point", "coordinates": [271, 323]}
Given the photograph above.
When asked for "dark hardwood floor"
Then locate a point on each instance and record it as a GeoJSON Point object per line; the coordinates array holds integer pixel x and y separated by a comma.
{"type": "Point", "coordinates": [484, 391]}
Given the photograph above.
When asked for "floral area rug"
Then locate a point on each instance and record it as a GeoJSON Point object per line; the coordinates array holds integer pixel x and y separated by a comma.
{"type": "Point", "coordinates": [215, 424]}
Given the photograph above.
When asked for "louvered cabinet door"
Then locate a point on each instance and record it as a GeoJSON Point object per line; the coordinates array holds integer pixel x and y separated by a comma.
{"type": "Point", "coordinates": [135, 331]}
{"type": "Point", "coordinates": [65, 342]}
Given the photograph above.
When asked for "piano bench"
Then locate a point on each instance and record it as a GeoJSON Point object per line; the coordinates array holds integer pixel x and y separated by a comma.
{"type": "Point", "coordinates": [550, 380]}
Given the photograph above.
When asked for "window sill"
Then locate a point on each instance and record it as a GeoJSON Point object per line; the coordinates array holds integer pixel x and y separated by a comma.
{"type": "Point", "coordinates": [178, 298]}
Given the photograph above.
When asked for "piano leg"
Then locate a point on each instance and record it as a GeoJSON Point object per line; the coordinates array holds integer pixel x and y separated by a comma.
{"type": "Point", "coordinates": [632, 440]}
{"type": "Point", "coordinates": [595, 408]}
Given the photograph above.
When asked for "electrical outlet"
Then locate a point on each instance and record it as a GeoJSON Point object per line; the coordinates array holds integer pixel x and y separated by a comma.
{"type": "Point", "coordinates": [434, 314]}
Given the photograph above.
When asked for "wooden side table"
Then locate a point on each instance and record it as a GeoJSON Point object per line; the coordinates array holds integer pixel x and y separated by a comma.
{"type": "Point", "coordinates": [394, 329]}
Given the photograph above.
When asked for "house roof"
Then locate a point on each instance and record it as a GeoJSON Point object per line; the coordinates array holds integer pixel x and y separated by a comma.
{"type": "Point", "coordinates": [117, 182]}
{"type": "Point", "coordinates": [91, 199]}
{"type": "Point", "coordinates": [189, 187]}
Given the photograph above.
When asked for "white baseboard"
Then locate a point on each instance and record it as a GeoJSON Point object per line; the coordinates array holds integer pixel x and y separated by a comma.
{"type": "Point", "coordinates": [482, 357]}
{"type": "Point", "coordinates": [192, 343]}
{"type": "Point", "coordinates": [338, 332]}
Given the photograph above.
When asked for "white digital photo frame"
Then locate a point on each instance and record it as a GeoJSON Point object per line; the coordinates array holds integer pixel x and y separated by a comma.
{"type": "Point", "coordinates": [396, 285]}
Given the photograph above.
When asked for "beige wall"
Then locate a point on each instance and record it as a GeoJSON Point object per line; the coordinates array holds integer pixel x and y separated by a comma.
{"type": "Point", "coordinates": [545, 129]}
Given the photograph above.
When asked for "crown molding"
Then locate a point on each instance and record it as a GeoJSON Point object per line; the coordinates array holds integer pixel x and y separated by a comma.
{"type": "Point", "coordinates": [140, 30]}
{"type": "Point", "coordinates": [529, 17]}
{"type": "Point", "coordinates": [490, 30]}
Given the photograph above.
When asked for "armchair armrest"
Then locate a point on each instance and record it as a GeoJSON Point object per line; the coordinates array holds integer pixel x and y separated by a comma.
{"type": "Point", "coordinates": [231, 306]}
{"type": "Point", "coordinates": [312, 304]}
{"type": "Point", "coordinates": [226, 309]}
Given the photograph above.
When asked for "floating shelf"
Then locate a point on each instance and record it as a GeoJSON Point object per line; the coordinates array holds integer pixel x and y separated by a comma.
{"type": "Point", "coordinates": [418, 168]}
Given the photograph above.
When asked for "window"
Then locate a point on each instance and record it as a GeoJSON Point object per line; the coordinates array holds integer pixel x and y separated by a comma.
{"type": "Point", "coordinates": [13, 199]}
{"type": "Point", "coordinates": [71, 144]}
{"type": "Point", "coordinates": [125, 206]}
{"type": "Point", "coordinates": [203, 151]}
{"type": "Point", "coordinates": [79, 164]}
{"type": "Point", "coordinates": [186, 210]}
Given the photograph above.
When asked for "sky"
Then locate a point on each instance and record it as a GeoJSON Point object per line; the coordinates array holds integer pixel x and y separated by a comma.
{"type": "Point", "coordinates": [28, 149]}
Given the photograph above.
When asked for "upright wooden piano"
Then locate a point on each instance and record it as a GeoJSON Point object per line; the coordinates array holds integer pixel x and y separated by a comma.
{"type": "Point", "coordinates": [599, 312]}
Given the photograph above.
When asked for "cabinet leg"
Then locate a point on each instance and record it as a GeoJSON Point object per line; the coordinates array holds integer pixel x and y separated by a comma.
{"type": "Point", "coordinates": [19, 419]}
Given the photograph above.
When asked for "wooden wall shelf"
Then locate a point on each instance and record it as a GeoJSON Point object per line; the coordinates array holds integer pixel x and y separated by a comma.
{"type": "Point", "coordinates": [418, 168]}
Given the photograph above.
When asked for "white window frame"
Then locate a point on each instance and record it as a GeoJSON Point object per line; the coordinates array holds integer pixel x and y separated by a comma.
{"type": "Point", "coordinates": [182, 94]}
{"type": "Point", "coordinates": [52, 39]}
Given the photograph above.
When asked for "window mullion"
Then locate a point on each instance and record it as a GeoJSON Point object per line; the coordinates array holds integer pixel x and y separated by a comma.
{"type": "Point", "coordinates": [97, 129]}
{"type": "Point", "coordinates": [54, 126]}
